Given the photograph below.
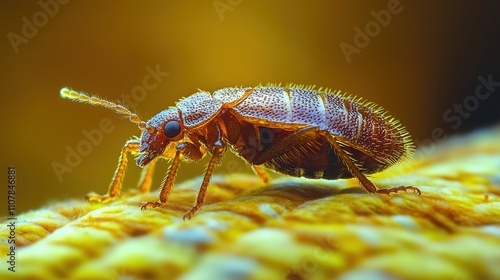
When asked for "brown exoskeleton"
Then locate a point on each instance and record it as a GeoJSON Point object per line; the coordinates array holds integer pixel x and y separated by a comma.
{"type": "Point", "coordinates": [294, 130]}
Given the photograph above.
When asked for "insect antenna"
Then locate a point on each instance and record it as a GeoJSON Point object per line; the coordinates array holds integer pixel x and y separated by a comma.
{"type": "Point", "coordinates": [94, 100]}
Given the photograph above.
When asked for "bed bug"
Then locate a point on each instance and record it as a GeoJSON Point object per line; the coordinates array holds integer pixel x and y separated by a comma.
{"type": "Point", "coordinates": [294, 130]}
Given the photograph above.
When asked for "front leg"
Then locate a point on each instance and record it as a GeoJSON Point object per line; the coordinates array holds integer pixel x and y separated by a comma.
{"type": "Point", "coordinates": [190, 152]}
{"type": "Point", "coordinates": [131, 146]}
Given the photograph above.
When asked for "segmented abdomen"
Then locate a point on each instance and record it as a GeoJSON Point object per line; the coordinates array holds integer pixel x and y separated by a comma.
{"type": "Point", "coordinates": [356, 123]}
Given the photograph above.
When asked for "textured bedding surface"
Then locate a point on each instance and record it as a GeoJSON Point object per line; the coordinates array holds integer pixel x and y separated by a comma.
{"type": "Point", "coordinates": [292, 229]}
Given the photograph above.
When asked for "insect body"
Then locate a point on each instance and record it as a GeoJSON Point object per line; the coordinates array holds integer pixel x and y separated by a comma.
{"type": "Point", "coordinates": [294, 130]}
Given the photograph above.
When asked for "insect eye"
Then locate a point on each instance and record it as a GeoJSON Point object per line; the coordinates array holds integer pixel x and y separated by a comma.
{"type": "Point", "coordinates": [172, 129]}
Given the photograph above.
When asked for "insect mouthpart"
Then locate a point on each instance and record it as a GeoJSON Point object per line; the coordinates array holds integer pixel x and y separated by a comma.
{"type": "Point", "coordinates": [152, 145]}
{"type": "Point", "coordinates": [148, 152]}
{"type": "Point", "coordinates": [143, 159]}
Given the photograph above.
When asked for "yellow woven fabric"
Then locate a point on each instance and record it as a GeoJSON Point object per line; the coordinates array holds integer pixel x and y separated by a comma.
{"type": "Point", "coordinates": [293, 229]}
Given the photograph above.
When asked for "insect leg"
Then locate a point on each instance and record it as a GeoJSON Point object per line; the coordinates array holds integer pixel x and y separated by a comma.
{"type": "Point", "coordinates": [190, 152]}
{"type": "Point", "coordinates": [217, 154]}
{"type": "Point", "coordinates": [131, 146]}
{"type": "Point", "coordinates": [144, 183]}
{"type": "Point", "coordinates": [349, 163]}
{"type": "Point", "coordinates": [166, 185]}
{"type": "Point", "coordinates": [263, 176]}
{"type": "Point", "coordinates": [351, 166]}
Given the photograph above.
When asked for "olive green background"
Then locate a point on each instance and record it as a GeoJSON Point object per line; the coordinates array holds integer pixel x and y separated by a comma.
{"type": "Point", "coordinates": [425, 60]}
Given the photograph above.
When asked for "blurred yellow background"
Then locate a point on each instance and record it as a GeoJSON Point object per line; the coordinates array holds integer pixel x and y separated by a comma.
{"type": "Point", "coordinates": [417, 64]}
